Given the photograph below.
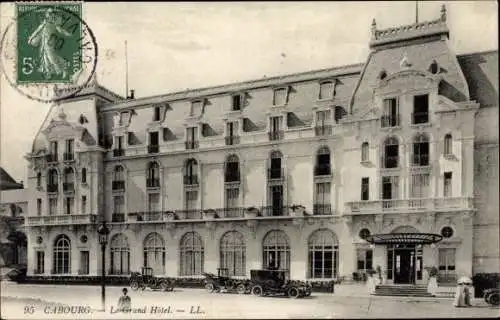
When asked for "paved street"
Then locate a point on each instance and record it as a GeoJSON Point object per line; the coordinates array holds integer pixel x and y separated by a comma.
{"type": "Point", "coordinates": [40, 302]}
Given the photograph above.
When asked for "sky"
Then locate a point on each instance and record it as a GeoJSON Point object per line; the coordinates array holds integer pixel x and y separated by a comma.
{"type": "Point", "coordinates": [175, 46]}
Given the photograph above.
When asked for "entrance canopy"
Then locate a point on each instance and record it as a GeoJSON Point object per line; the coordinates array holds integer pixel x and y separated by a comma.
{"type": "Point", "coordinates": [404, 238]}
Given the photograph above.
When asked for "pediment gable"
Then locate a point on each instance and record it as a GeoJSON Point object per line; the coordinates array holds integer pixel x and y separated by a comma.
{"type": "Point", "coordinates": [60, 128]}
{"type": "Point", "coordinates": [411, 78]}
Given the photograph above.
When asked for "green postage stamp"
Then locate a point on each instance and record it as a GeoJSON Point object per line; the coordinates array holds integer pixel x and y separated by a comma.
{"type": "Point", "coordinates": [48, 52]}
{"type": "Point", "coordinates": [48, 42]}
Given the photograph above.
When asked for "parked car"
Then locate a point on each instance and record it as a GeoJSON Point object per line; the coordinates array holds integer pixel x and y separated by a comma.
{"type": "Point", "coordinates": [274, 282]}
{"type": "Point", "coordinates": [492, 296]}
{"type": "Point", "coordinates": [146, 279]}
{"type": "Point", "coordinates": [223, 283]}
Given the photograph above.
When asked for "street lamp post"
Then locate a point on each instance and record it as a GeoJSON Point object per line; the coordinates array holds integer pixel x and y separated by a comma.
{"type": "Point", "coordinates": [103, 232]}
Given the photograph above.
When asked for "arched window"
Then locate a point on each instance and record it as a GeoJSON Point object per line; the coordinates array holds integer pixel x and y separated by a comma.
{"type": "Point", "coordinates": [323, 254]}
{"type": "Point", "coordinates": [420, 150]}
{"type": "Point", "coordinates": [53, 177]}
{"type": "Point", "coordinates": [365, 156]}
{"type": "Point", "coordinates": [276, 250]}
{"type": "Point", "coordinates": [232, 173]}
{"type": "Point", "coordinates": [275, 165]}
{"type": "Point", "coordinates": [448, 144]}
{"type": "Point", "coordinates": [191, 172]}
{"type": "Point", "coordinates": [154, 253]}
{"type": "Point", "coordinates": [153, 179]}
{"type": "Point", "coordinates": [323, 166]}
{"type": "Point", "coordinates": [391, 153]}
{"type": "Point", "coordinates": [120, 255]}
{"type": "Point", "coordinates": [232, 253]}
{"type": "Point", "coordinates": [192, 255]}
{"type": "Point", "coordinates": [62, 255]}
{"type": "Point", "coordinates": [84, 175]}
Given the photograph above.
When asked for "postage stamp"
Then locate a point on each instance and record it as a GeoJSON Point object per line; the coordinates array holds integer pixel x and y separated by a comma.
{"type": "Point", "coordinates": [48, 52]}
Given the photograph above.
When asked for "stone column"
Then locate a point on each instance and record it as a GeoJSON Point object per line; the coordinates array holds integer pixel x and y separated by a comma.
{"type": "Point", "coordinates": [210, 248]}
{"type": "Point", "coordinates": [347, 251]}
{"type": "Point", "coordinates": [172, 252]}
{"type": "Point", "coordinates": [465, 253]}
{"type": "Point", "coordinates": [253, 257]}
{"type": "Point", "coordinates": [298, 258]}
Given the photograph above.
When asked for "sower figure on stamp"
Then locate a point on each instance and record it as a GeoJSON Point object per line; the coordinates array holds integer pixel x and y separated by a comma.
{"type": "Point", "coordinates": [124, 302]}
{"type": "Point", "coordinates": [46, 36]}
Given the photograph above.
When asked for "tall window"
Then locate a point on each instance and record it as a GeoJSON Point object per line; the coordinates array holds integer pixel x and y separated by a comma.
{"type": "Point", "coordinates": [232, 253]}
{"type": "Point", "coordinates": [420, 185]}
{"type": "Point", "coordinates": [52, 206]}
{"type": "Point", "coordinates": [153, 179]}
{"type": "Point", "coordinates": [69, 204]}
{"type": "Point", "coordinates": [84, 175]}
{"type": "Point", "coordinates": [70, 143]}
{"type": "Point", "coordinates": [326, 90]}
{"type": "Point", "coordinates": [280, 96]}
{"type": "Point", "coordinates": [275, 165]}
{"type": "Point", "coordinates": [39, 206]}
{"type": "Point", "coordinates": [232, 173]}
{"type": "Point", "coordinates": [124, 118]}
{"type": "Point", "coordinates": [447, 188]}
{"type": "Point", "coordinates": [390, 187]}
{"type": "Point", "coordinates": [323, 254]}
{"type": "Point", "coordinates": [119, 142]}
{"type": "Point", "coordinates": [156, 114]}
{"type": "Point", "coordinates": [62, 255]}
{"type": "Point", "coordinates": [323, 166]}
{"type": "Point", "coordinates": [365, 155]}
{"type": "Point", "coordinates": [232, 197]}
{"type": "Point", "coordinates": [84, 262]}
{"type": "Point", "coordinates": [39, 179]}
{"type": "Point", "coordinates": [192, 254]}
{"type": "Point", "coordinates": [323, 122]}
{"type": "Point", "coordinates": [421, 109]}
{"type": "Point", "coordinates": [191, 201]}
{"type": "Point", "coordinates": [118, 208]}
{"type": "Point", "coordinates": [154, 202]}
{"type": "Point", "coordinates": [53, 180]}
{"type": "Point", "coordinates": [448, 144]}
{"type": "Point", "coordinates": [69, 179]}
{"type": "Point", "coordinates": [365, 188]}
{"type": "Point", "coordinates": [154, 253]}
{"type": "Point", "coordinates": [191, 172]}
{"type": "Point", "coordinates": [53, 150]}
{"type": "Point", "coordinates": [391, 153]}
{"type": "Point", "coordinates": [421, 150]}
{"type": "Point", "coordinates": [40, 262]}
{"type": "Point", "coordinates": [120, 255]}
{"type": "Point", "coordinates": [364, 259]}
{"type": "Point", "coordinates": [390, 117]}
{"type": "Point", "coordinates": [153, 138]}
{"type": "Point", "coordinates": [447, 258]}
{"type": "Point", "coordinates": [322, 205]}
{"type": "Point", "coordinates": [84, 204]}
{"type": "Point", "coordinates": [275, 132]}
{"type": "Point", "coordinates": [276, 250]}
{"type": "Point", "coordinates": [237, 102]}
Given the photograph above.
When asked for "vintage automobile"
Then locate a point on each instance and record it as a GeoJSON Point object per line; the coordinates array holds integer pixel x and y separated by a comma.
{"type": "Point", "coordinates": [492, 296]}
{"type": "Point", "coordinates": [274, 282]}
{"type": "Point", "coordinates": [223, 283]}
{"type": "Point", "coordinates": [146, 279]}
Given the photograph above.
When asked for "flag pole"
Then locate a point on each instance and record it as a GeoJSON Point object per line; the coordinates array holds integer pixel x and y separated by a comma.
{"type": "Point", "coordinates": [126, 69]}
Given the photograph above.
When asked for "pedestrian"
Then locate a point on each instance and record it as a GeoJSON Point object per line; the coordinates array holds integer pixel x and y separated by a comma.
{"type": "Point", "coordinates": [124, 302]}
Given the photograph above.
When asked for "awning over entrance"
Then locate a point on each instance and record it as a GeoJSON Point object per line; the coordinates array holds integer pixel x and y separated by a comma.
{"type": "Point", "coordinates": [404, 238]}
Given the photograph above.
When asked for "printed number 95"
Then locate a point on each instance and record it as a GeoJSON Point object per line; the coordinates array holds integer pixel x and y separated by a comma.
{"type": "Point", "coordinates": [29, 309]}
{"type": "Point", "coordinates": [28, 65]}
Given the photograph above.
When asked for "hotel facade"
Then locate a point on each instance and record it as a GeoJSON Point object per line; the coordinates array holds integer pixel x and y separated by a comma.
{"type": "Point", "coordinates": [291, 172]}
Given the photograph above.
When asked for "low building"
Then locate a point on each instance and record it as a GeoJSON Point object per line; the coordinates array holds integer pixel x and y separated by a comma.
{"type": "Point", "coordinates": [290, 172]}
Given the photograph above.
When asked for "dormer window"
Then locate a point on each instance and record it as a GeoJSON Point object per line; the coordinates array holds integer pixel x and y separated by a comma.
{"type": "Point", "coordinates": [434, 67]}
{"type": "Point", "coordinates": [196, 108]}
{"type": "Point", "coordinates": [326, 90]}
{"type": "Point", "coordinates": [124, 118]}
{"type": "Point", "coordinates": [192, 138]}
{"type": "Point", "coordinates": [280, 96]}
{"type": "Point", "coordinates": [156, 114]}
{"type": "Point", "coordinates": [237, 102]}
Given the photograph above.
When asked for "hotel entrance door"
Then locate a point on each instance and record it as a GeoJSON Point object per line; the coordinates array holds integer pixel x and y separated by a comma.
{"type": "Point", "coordinates": [404, 263]}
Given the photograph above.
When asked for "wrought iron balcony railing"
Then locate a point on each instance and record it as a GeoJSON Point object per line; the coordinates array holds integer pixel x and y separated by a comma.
{"type": "Point", "coordinates": [420, 117]}
{"type": "Point", "coordinates": [323, 130]}
{"type": "Point", "coordinates": [118, 152]}
{"type": "Point", "coordinates": [69, 156]}
{"type": "Point", "coordinates": [411, 205]}
{"type": "Point", "coordinates": [65, 219]}
{"type": "Point", "coordinates": [276, 135]}
{"type": "Point", "coordinates": [153, 148]}
{"type": "Point", "coordinates": [153, 183]}
{"type": "Point", "coordinates": [232, 140]}
{"type": "Point", "coordinates": [322, 209]}
{"type": "Point", "coordinates": [118, 185]}
{"type": "Point", "coordinates": [387, 121]}
{"type": "Point", "coordinates": [192, 144]}
{"type": "Point", "coordinates": [190, 180]}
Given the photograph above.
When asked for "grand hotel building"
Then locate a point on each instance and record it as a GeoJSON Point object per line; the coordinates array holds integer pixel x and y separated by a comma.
{"type": "Point", "coordinates": [290, 172]}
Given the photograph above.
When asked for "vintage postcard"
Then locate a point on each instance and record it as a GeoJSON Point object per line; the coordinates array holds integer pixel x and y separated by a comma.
{"type": "Point", "coordinates": [231, 160]}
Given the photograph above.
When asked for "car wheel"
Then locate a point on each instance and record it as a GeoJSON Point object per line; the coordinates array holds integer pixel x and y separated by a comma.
{"type": "Point", "coordinates": [257, 291]}
{"type": "Point", "coordinates": [163, 286]}
{"type": "Point", "coordinates": [494, 299]}
{"type": "Point", "coordinates": [210, 287]}
{"type": "Point", "coordinates": [308, 293]}
{"type": "Point", "coordinates": [241, 288]}
{"type": "Point", "coordinates": [134, 285]}
{"type": "Point", "coordinates": [293, 292]}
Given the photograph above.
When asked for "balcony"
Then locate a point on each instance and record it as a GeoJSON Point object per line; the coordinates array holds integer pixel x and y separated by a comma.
{"type": "Point", "coordinates": [324, 130]}
{"type": "Point", "coordinates": [52, 188]}
{"type": "Point", "coordinates": [118, 217]}
{"type": "Point", "coordinates": [67, 219]}
{"type": "Point", "coordinates": [118, 152]}
{"type": "Point", "coordinates": [190, 180]}
{"type": "Point", "coordinates": [190, 145]}
{"type": "Point", "coordinates": [118, 185]}
{"type": "Point", "coordinates": [388, 121]}
{"type": "Point", "coordinates": [153, 148]}
{"type": "Point", "coordinates": [275, 135]}
{"type": "Point", "coordinates": [389, 162]}
{"type": "Point", "coordinates": [321, 209]}
{"type": "Point", "coordinates": [419, 117]}
{"type": "Point", "coordinates": [420, 160]}
{"type": "Point", "coordinates": [275, 173]}
{"type": "Point", "coordinates": [68, 187]}
{"type": "Point", "coordinates": [153, 183]}
{"type": "Point", "coordinates": [51, 158]}
{"type": "Point", "coordinates": [410, 205]}
{"type": "Point", "coordinates": [147, 215]}
{"type": "Point", "coordinates": [231, 212]}
{"type": "Point", "coordinates": [232, 140]}
{"type": "Point", "coordinates": [69, 156]}
{"type": "Point", "coordinates": [322, 170]}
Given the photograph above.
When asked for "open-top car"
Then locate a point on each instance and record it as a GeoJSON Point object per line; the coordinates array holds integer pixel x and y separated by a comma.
{"type": "Point", "coordinates": [222, 282]}
{"type": "Point", "coordinates": [274, 282]}
{"type": "Point", "coordinates": [146, 279]}
{"type": "Point", "coordinates": [492, 296]}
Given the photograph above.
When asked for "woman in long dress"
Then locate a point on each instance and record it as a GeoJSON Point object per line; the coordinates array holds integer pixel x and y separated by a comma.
{"type": "Point", "coordinates": [459, 296]}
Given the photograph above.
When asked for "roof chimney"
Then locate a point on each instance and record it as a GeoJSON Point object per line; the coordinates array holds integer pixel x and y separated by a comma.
{"type": "Point", "coordinates": [132, 94]}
